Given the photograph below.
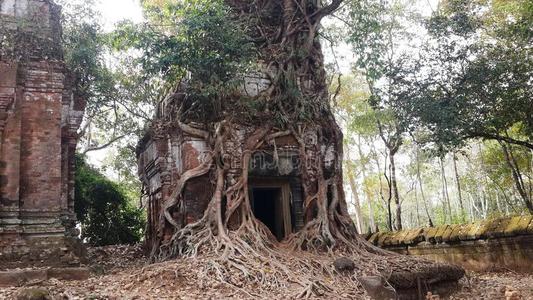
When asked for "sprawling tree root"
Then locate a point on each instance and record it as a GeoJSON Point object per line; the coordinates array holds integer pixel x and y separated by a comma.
{"type": "Point", "coordinates": [242, 250]}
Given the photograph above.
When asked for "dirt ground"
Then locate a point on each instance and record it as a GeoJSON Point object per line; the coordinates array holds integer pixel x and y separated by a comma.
{"type": "Point", "coordinates": [121, 272]}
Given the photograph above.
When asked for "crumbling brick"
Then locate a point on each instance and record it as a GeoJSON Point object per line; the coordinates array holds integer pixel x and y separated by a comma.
{"type": "Point", "coordinates": [39, 117]}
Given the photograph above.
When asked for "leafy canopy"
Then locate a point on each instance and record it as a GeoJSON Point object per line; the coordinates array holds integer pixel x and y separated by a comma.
{"type": "Point", "coordinates": [104, 209]}
{"type": "Point", "coordinates": [199, 37]}
{"type": "Point", "coordinates": [197, 41]}
{"type": "Point", "coordinates": [473, 79]}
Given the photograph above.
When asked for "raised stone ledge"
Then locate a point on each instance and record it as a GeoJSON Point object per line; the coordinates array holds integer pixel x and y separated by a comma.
{"type": "Point", "coordinates": [486, 229]}
{"type": "Point", "coordinates": [505, 243]}
{"type": "Point", "coordinates": [23, 250]}
{"type": "Point", "coordinates": [20, 277]}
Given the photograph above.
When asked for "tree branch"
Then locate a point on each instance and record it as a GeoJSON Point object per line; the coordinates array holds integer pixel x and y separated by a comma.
{"type": "Point", "coordinates": [497, 137]}
{"type": "Point", "coordinates": [326, 10]}
{"type": "Point", "coordinates": [103, 146]}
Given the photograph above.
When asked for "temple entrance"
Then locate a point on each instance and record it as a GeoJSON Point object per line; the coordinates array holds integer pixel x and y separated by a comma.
{"type": "Point", "coordinates": [264, 208]}
{"type": "Point", "coordinates": [271, 205]}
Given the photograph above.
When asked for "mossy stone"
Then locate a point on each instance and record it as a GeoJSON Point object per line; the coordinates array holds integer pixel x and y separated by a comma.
{"type": "Point", "coordinates": [448, 232]}
{"type": "Point", "coordinates": [456, 232]}
{"type": "Point", "coordinates": [440, 232]}
{"type": "Point", "coordinates": [463, 233]}
{"type": "Point", "coordinates": [415, 236]}
{"type": "Point", "coordinates": [382, 237]}
{"type": "Point", "coordinates": [482, 229]}
{"type": "Point", "coordinates": [374, 238]}
{"type": "Point", "coordinates": [429, 234]}
{"type": "Point", "coordinates": [33, 294]}
{"type": "Point", "coordinates": [499, 231]}
{"type": "Point", "coordinates": [517, 225]}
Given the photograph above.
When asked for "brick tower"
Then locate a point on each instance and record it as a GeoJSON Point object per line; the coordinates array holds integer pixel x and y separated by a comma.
{"type": "Point", "coordinates": [39, 118]}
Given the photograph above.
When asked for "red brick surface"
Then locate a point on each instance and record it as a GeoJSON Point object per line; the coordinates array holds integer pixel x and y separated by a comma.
{"type": "Point", "coordinates": [39, 118]}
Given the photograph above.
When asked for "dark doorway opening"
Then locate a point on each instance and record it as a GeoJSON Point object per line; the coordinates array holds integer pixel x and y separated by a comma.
{"type": "Point", "coordinates": [267, 208]}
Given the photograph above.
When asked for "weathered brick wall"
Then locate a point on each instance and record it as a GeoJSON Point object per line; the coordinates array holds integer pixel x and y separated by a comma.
{"type": "Point", "coordinates": [41, 108]}
{"type": "Point", "coordinates": [484, 245]}
{"type": "Point", "coordinates": [39, 117]}
{"type": "Point", "coordinates": [165, 155]}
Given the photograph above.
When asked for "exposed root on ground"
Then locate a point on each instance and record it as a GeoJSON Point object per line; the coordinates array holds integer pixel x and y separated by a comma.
{"type": "Point", "coordinates": [232, 240]}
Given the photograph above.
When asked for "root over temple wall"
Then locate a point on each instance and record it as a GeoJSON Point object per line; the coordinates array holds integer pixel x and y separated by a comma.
{"type": "Point", "coordinates": [198, 173]}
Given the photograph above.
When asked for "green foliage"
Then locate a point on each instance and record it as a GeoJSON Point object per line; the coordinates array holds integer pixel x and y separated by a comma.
{"type": "Point", "coordinates": [105, 209]}
{"type": "Point", "coordinates": [368, 35]}
{"type": "Point", "coordinates": [83, 46]}
{"type": "Point", "coordinates": [200, 37]}
{"type": "Point", "coordinates": [120, 98]}
{"type": "Point", "coordinates": [461, 75]}
{"type": "Point", "coordinates": [198, 41]}
{"type": "Point", "coordinates": [111, 112]}
{"type": "Point", "coordinates": [376, 28]}
{"type": "Point", "coordinates": [475, 72]}
{"type": "Point", "coordinates": [352, 105]}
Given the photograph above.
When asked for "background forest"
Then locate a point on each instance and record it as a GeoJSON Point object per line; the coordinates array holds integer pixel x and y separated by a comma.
{"type": "Point", "coordinates": [434, 98]}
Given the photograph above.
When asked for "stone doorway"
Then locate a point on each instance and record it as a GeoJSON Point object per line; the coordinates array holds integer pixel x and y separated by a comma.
{"type": "Point", "coordinates": [270, 201]}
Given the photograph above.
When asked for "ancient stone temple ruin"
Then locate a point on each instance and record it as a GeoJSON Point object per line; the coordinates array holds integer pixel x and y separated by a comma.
{"type": "Point", "coordinates": [39, 118]}
{"type": "Point", "coordinates": [274, 180]}
{"type": "Point", "coordinates": [250, 176]}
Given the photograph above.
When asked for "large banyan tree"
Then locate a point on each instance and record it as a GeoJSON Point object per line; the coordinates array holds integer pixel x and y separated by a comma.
{"type": "Point", "coordinates": [242, 166]}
